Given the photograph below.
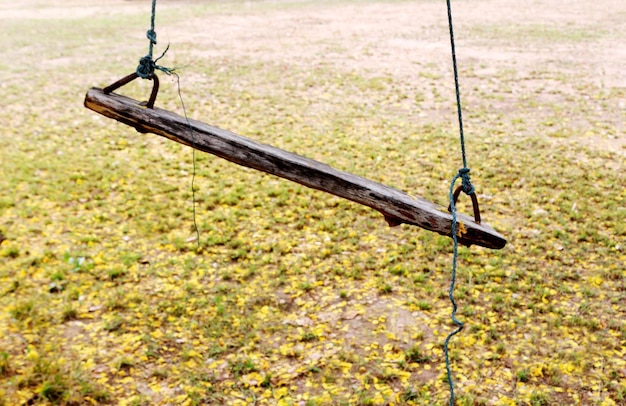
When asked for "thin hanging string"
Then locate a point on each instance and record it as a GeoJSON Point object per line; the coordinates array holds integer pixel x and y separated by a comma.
{"type": "Point", "coordinates": [145, 70]}
{"type": "Point", "coordinates": [193, 158]}
{"type": "Point", "coordinates": [468, 188]}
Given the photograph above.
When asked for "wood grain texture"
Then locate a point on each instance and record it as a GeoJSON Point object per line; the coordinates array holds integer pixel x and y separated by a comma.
{"type": "Point", "coordinates": [397, 207]}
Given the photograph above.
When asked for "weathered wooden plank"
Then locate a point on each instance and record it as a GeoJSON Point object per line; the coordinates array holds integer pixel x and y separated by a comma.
{"type": "Point", "coordinates": [397, 207]}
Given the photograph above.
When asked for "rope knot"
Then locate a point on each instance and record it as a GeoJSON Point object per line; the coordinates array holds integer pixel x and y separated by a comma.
{"type": "Point", "coordinates": [146, 67]}
{"type": "Point", "coordinates": [152, 36]}
{"type": "Point", "coordinates": [468, 188]}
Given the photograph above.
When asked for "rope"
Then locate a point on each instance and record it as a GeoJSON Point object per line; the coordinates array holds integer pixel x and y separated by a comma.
{"type": "Point", "coordinates": [456, 84]}
{"type": "Point", "coordinates": [457, 322]}
{"type": "Point", "coordinates": [193, 159]}
{"type": "Point", "coordinates": [468, 188]}
{"type": "Point", "coordinates": [147, 65]}
{"type": "Point", "coordinates": [145, 70]}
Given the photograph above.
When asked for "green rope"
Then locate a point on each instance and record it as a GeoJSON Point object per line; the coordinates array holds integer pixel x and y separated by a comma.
{"type": "Point", "coordinates": [456, 84]}
{"type": "Point", "coordinates": [145, 70]}
{"type": "Point", "coordinates": [458, 323]}
{"type": "Point", "coordinates": [468, 188]}
{"type": "Point", "coordinates": [147, 65]}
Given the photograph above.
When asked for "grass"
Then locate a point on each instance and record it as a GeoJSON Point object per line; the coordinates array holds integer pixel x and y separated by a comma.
{"type": "Point", "coordinates": [296, 297]}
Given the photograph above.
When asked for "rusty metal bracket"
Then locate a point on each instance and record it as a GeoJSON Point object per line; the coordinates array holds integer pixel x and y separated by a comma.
{"type": "Point", "coordinates": [455, 196]}
{"type": "Point", "coordinates": [127, 79]}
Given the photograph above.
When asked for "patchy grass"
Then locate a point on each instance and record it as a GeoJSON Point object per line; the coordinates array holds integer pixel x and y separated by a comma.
{"type": "Point", "coordinates": [540, 33]}
{"type": "Point", "coordinates": [296, 297]}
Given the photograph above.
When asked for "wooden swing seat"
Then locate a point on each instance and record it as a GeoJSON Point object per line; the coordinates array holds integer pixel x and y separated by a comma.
{"type": "Point", "coordinates": [397, 207]}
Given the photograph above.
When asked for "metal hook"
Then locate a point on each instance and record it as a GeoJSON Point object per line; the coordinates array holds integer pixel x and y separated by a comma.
{"type": "Point", "coordinates": [456, 194]}
{"type": "Point", "coordinates": [127, 79]}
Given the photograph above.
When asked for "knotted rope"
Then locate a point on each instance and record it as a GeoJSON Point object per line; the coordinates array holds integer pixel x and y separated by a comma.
{"type": "Point", "coordinates": [468, 189]}
{"type": "Point", "coordinates": [146, 68]}
{"type": "Point", "coordinates": [147, 65]}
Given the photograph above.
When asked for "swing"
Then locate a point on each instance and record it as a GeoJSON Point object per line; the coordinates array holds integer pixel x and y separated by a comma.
{"type": "Point", "coordinates": [396, 206]}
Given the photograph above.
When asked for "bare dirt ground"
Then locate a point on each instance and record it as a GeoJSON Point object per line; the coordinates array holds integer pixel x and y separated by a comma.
{"type": "Point", "coordinates": [549, 48]}
{"type": "Point", "coordinates": [543, 50]}
{"type": "Point", "coordinates": [509, 52]}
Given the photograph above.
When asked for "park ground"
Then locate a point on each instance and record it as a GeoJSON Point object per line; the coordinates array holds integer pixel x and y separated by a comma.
{"type": "Point", "coordinates": [295, 297]}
